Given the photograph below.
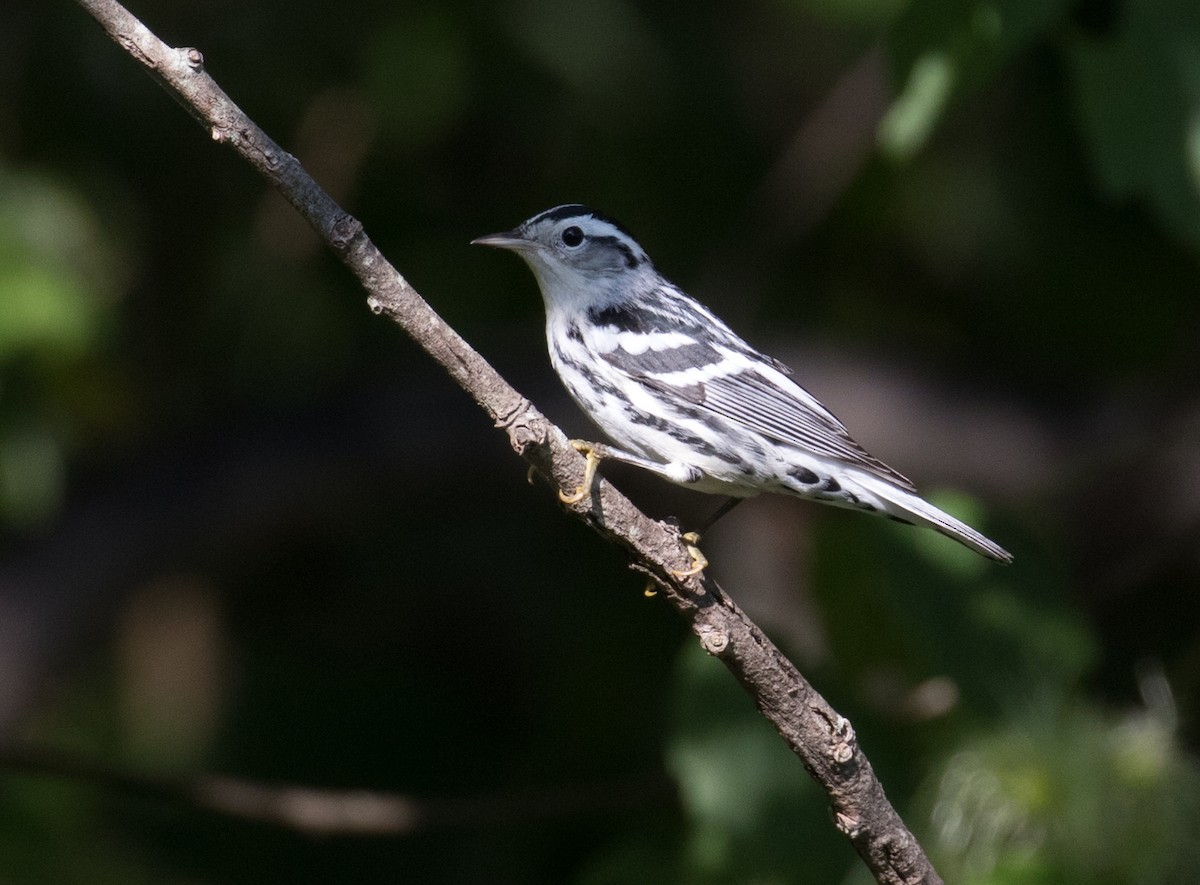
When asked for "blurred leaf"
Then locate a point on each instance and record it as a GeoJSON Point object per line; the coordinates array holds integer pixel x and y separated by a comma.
{"type": "Point", "coordinates": [32, 475]}
{"type": "Point", "coordinates": [944, 49]}
{"type": "Point", "coordinates": [904, 606]}
{"type": "Point", "coordinates": [57, 281]}
{"type": "Point", "coordinates": [1065, 797]}
{"type": "Point", "coordinates": [1137, 91]}
{"type": "Point", "coordinates": [54, 269]}
{"type": "Point", "coordinates": [44, 310]}
{"type": "Point", "coordinates": [753, 814]}
{"type": "Point", "coordinates": [919, 107]}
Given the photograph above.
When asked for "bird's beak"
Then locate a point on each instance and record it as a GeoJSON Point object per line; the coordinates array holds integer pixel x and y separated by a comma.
{"type": "Point", "coordinates": [513, 239]}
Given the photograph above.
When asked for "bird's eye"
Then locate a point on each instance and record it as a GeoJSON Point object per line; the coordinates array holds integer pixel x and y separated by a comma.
{"type": "Point", "coordinates": [572, 237]}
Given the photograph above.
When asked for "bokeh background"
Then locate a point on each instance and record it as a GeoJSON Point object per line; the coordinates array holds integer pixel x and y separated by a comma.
{"type": "Point", "coordinates": [247, 529]}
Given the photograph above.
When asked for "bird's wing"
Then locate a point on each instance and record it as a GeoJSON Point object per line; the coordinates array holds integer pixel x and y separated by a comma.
{"type": "Point", "coordinates": [760, 397]}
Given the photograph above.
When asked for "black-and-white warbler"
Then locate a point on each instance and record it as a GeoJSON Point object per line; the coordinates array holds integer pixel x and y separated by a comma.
{"type": "Point", "coordinates": [682, 394]}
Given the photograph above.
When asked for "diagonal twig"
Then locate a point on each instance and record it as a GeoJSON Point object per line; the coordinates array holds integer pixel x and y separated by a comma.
{"type": "Point", "coordinates": [824, 740]}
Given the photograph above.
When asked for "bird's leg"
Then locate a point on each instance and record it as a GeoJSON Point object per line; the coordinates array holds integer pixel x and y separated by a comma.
{"type": "Point", "coordinates": [675, 471]}
{"type": "Point", "coordinates": [729, 504]}
{"type": "Point", "coordinates": [692, 539]}
{"type": "Point", "coordinates": [699, 560]}
{"type": "Point", "coordinates": [596, 452]}
{"type": "Point", "coordinates": [589, 450]}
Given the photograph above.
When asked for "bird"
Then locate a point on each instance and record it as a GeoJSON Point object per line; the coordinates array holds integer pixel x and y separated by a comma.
{"type": "Point", "coordinates": [682, 395]}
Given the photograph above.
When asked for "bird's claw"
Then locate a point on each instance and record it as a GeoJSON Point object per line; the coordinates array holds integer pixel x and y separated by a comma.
{"type": "Point", "coordinates": [699, 560]}
{"type": "Point", "coordinates": [589, 473]}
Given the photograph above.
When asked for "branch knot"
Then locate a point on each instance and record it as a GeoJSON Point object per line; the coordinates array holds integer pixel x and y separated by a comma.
{"type": "Point", "coordinates": [344, 230]}
{"type": "Point", "coordinates": [714, 640]}
{"type": "Point", "coordinates": [523, 432]}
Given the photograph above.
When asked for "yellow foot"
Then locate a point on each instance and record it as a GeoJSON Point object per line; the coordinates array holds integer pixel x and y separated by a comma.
{"type": "Point", "coordinates": [650, 591]}
{"type": "Point", "coordinates": [589, 474]}
{"type": "Point", "coordinates": [699, 561]}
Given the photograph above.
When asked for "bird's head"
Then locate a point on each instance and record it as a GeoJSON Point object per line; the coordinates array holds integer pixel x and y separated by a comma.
{"type": "Point", "coordinates": [579, 256]}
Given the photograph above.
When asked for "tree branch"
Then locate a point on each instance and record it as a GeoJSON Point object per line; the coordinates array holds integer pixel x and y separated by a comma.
{"type": "Point", "coordinates": [824, 740]}
{"type": "Point", "coordinates": [325, 812]}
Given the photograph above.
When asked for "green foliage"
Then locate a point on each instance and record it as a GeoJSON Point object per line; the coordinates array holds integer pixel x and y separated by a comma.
{"type": "Point", "coordinates": [947, 49]}
{"type": "Point", "coordinates": [58, 282]}
{"type": "Point", "coordinates": [1065, 796]}
{"type": "Point", "coordinates": [752, 813]}
{"type": "Point", "coordinates": [1137, 88]}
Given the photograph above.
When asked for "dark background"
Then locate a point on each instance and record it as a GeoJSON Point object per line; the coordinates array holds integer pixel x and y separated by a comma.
{"type": "Point", "coordinates": [247, 528]}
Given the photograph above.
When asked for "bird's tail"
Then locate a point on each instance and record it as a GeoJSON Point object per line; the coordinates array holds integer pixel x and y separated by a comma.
{"type": "Point", "coordinates": [906, 506]}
